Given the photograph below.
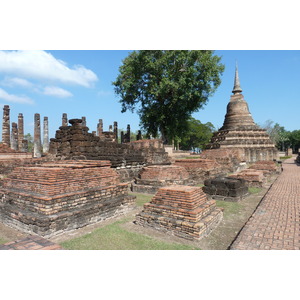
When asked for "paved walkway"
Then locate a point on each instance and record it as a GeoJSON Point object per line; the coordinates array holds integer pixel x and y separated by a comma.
{"type": "Point", "coordinates": [275, 225]}
{"type": "Point", "coordinates": [32, 242]}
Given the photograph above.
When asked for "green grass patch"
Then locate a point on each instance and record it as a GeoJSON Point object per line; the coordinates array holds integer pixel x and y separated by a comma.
{"type": "Point", "coordinates": [200, 185]}
{"type": "Point", "coordinates": [141, 199]}
{"type": "Point", "coordinates": [191, 157]}
{"type": "Point", "coordinates": [115, 237]}
{"type": "Point", "coordinates": [254, 190]}
{"type": "Point", "coordinates": [284, 157]}
{"type": "Point", "coordinates": [2, 241]}
{"type": "Point", "coordinates": [230, 208]}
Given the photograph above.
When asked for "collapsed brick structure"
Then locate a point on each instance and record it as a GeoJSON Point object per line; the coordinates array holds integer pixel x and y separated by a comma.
{"type": "Point", "coordinates": [183, 211]}
{"type": "Point", "coordinates": [240, 134]}
{"type": "Point", "coordinates": [225, 188]}
{"type": "Point", "coordinates": [75, 142]}
{"type": "Point", "coordinates": [53, 197]}
{"type": "Point", "coordinates": [151, 178]}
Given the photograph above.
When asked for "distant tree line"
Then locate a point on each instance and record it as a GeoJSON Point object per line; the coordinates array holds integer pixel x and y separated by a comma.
{"type": "Point", "coordinates": [282, 138]}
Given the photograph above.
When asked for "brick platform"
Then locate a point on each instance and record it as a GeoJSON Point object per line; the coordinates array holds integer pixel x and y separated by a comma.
{"type": "Point", "coordinates": [183, 211]}
{"type": "Point", "coordinates": [200, 169]}
{"type": "Point", "coordinates": [253, 178]}
{"type": "Point", "coordinates": [32, 242]}
{"type": "Point", "coordinates": [275, 225]}
{"type": "Point", "coordinates": [152, 178]}
{"type": "Point", "coordinates": [51, 198]}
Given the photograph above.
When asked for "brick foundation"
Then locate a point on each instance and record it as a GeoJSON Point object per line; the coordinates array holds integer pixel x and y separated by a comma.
{"type": "Point", "coordinates": [200, 169]}
{"type": "Point", "coordinates": [151, 178]}
{"type": "Point", "coordinates": [55, 197]}
{"type": "Point", "coordinates": [227, 189]}
{"type": "Point", "coordinates": [183, 211]}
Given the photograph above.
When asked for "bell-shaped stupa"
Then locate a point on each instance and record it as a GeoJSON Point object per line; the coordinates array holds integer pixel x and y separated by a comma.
{"type": "Point", "coordinates": [239, 132]}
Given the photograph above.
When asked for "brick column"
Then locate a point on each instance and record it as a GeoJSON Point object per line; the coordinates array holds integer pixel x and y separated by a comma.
{"type": "Point", "coordinates": [6, 126]}
{"type": "Point", "coordinates": [20, 131]}
{"type": "Point", "coordinates": [45, 136]}
{"type": "Point", "coordinates": [14, 136]}
{"type": "Point", "coordinates": [128, 134]}
{"type": "Point", "coordinates": [83, 121]}
{"type": "Point", "coordinates": [100, 127]}
{"type": "Point", "coordinates": [37, 144]}
{"type": "Point", "coordinates": [116, 131]}
{"type": "Point", "coordinates": [64, 120]}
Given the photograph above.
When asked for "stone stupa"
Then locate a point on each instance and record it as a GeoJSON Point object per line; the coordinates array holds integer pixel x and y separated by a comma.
{"type": "Point", "coordinates": [239, 134]}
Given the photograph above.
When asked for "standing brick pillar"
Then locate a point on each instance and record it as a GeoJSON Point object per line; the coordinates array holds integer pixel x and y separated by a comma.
{"type": "Point", "coordinates": [139, 136]}
{"type": "Point", "coordinates": [14, 136]}
{"type": "Point", "coordinates": [46, 136]}
{"type": "Point", "coordinates": [116, 131]}
{"type": "Point", "coordinates": [64, 120]}
{"type": "Point", "coordinates": [24, 147]}
{"type": "Point", "coordinates": [20, 131]}
{"type": "Point", "coordinates": [6, 126]}
{"type": "Point", "coordinates": [83, 121]}
{"type": "Point", "coordinates": [110, 128]}
{"type": "Point", "coordinates": [128, 134]}
{"type": "Point", "coordinates": [122, 137]}
{"type": "Point", "coordinates": [100, 127]}
{"type": "Point", "coordinates": [37, 144]}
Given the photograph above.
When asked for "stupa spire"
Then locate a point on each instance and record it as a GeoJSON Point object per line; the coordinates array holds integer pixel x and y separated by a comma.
{"type": "Point", "coordinates": [237, 86]}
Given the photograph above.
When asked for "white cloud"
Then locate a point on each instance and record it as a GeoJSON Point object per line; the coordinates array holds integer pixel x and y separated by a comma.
{"type": "Point", "coordinates": [44, 66]}
{"type": "Point", "coordinates": [57, 92]}
{"type": "Point", "coordinates": [15, 81]}
{"type": "Point", "coordinates": [13, 98]}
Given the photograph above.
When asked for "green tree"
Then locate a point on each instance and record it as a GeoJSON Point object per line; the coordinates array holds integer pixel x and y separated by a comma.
{"type": "Point", "coordinates": [197, 136]}
{"type": "Point", "coordinates": [166, 87]}
{"type": "Point", "coordinates": [29, 138]}
{"type": "Point", "coordinates": [294, 139]}
{"type": "Point", "coordinates": [278, 134]}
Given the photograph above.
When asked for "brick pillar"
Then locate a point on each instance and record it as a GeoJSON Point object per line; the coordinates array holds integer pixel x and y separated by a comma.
{"type": "Point", "coordinates": [122, 137]}
{"type": "Point", "coordinates": [14, 136]}
{"type": "Point", "coordinates": [139, 136]}
{"type": "Point", "coordinates": [20, 131]}
{"type": "Point", "coordinates": [64, 120]}
{"type": "Point", "coordinates": [128, 134]}
{"type": "Point", "coordinates": [24, 147]}
{"type": "Point", "coordinates": [116, 131]}
{"type": "Point", "coordinates": [37, 144]}
{"type": "Point", "coordinates": [100, 127]}
{"type": "Point", "coordinates": [83, 121]}
{"type": "Point", "coordinates": [110, 128]}
{"type": "Point", "coordinates": [6, 126]}
{"type": "Point", "coordinates": [45, 136]}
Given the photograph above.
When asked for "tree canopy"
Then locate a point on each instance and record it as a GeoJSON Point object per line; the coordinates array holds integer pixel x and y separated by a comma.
{"type": "Point", "coordinates": [197, 136]}
{"type": "Point", "coordinates": [166, 87]}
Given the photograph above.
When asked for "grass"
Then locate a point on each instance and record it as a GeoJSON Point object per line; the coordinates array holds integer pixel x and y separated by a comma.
{"type": "Point", "coordinates": [284, 157]}
{"type": "Point", "coordinates": [254, 190]}
{"type": "Point", "coordinates": [2, 241]}
{"type": "Point", "coordinates": [230, 208]}
{"type": "Point", "coordinates": [141, 199]}
{"type": "Point", "coordinates": [114, 237]}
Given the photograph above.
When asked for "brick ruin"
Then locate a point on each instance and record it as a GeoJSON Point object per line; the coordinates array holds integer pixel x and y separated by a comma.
{"type": "Point", "coordinates": [200, 169]}
{"type": "Point", "coordinates": [151, 178]}
{"type": "Point", "coordinates": [54, 197]}
{"type": "Point", "coordinates": [75, 142]}
{"type": "Point", "coordinates": [226, 188]}
{"type": "Point", "coordinates": [183, 211]}
{"type": "Point", "coordinates": [240, 135]}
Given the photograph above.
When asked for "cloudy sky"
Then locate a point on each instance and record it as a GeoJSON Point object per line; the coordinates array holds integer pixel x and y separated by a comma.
{"type": "Point", "coordinates": [79, 83]}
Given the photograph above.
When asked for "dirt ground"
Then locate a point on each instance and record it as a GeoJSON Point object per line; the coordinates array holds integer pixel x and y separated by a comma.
{"type": "Point", "coordinates": [220, 239]}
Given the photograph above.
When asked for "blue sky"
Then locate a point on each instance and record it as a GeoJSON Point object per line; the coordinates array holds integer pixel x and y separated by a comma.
{"type": "Point", "coordinates": [79, 83]}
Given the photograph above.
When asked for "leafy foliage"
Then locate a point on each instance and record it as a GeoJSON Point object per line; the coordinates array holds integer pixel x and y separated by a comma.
{"type": "Point", "coordinates": [197, 136]}
{"type": "Point", "coordinates": [166, 87]}
{"type": "Point", "coordinates": [29, 138]}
